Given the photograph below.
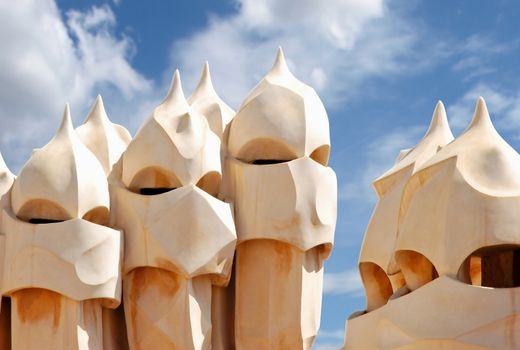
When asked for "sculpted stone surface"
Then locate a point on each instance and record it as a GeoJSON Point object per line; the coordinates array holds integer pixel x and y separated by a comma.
{"type": "Point", "coordinates": [105, 139]}
{"type": "Point", "coordinates": [456, 248]}
{"type": "Point", "coordinates": [109, 242]}
{"type": "Point", "coordinates": [285, 211]}
{"type": "Point", "coordinates": [206, 101]}
{"type": "Point", "coordinates": [180, 239]}
{"type": "Point", "coordinates": [61, 264]}
{"type": "Point", "coordinates": [376, 255]}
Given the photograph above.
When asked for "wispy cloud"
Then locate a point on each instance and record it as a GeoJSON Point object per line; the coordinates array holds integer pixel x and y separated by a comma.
{"type": "Point", "coordinates": [503, 105]}
{"type": "Point", "coordinates": [379, 156]}
{"type": "Point", "coordinates": [344, 282]}
{"type": "Point", "coordinates": [48, 60]}
{"type": "Point", "coordinates": [473, 56]}
{"type": "Point", "coordinates": [332, 45]}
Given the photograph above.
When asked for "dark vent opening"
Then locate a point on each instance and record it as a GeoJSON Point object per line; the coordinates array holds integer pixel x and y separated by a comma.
{"type": "Point", "coordinates": [268, 161]}
{"type": "Point", "coordinates": [43, 221]}
{"type": "Point", "coordinates": [154, 191]}
{"type": "Point", "coordinates": [501, 269]}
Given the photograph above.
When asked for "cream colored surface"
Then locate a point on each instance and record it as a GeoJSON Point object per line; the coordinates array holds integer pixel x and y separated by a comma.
{"type": "Point", "coordinates": [443, 314]}
{"type": "Point", "coordinates": [175, 140]}
{"type": "Point", "coordinates": [109, 242]}
{"type": "Point", "coordinates": [82, 264]}
{"type": "Point", "coordinates": [285, 211]}
{"type": "Point", "coordinates": [105, 139]}
{"type": "Point", "coordinates": [149, 230]}
{"type": "Point", "coordinates": [60, 274]}
{"type": "Point", "coordinates": [179, 241]}
{"type": "Point", "coordinates": [206, 101]}
{"type": "Point", "coordinates": [65, 173]}
{"type": "Point", "coordinates": [279, 109]}
{"type": "Point", "coordinates": [456, 248]}
{"type": "Point", "coordinates": [378, 245]}
{"type": "Point", "coordinates": [479, 172]}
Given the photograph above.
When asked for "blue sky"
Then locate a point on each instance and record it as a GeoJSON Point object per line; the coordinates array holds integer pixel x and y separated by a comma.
{"type": "Point", "coordinates": [380, 67]}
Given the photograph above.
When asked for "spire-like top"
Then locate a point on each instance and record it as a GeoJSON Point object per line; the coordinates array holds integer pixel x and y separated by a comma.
{"type": "Point", "coordinates": [206, 101]}
{"type": "Point", "coordinates": [481, 117]}
{"type": "Point", "coordinates": [175, 138]}
{"type": "Point", "coordinates": [205, 87]}
{"type": "Point", "coordinates": [175, 94]}
{"type": "Point", "coordinates": [103, 138]}
{"type": "Point", "coordinates": [439, 121]}
{"type": "Point", "coordinates": [438, 135]}
{"type": "Point", "coordinates": [280, 64]}
{"type": "Point", "coordinates": [283, 109]}
{"type": "Point", "coordinates": [479, 151]}
{"type": "Point", "coordinates": [97, 112]}
{"type": "Point", "coordinates": [65, 129]}
{"type": "Point", "coordinates": [205, 84]}
{"type": "Point", "coordinates": [63, 172]}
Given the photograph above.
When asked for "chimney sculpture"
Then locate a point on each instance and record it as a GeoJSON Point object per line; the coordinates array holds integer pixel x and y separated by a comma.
{"type": "Point", "coordinates": [61, 261]}
{"type": "Point", "coordinates": [179, 238]}
{"type": "Point", "coordinates": [107, 141]}
{"type": "Point", "coordinates": [458, 249]}
{"type": "Point", "coordinates": [206, 101]}
{"type": "Point", "coordinates": [6, 181]}
{"type": "Point", "coordinates": [377, 249]}
{"type": "Point", "coordinates": [285, 211]}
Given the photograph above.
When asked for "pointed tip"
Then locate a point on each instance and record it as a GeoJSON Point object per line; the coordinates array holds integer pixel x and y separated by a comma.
{"type": "Point", "coordinates": [279, 54]}
{"type": "Point", "coordinates": [175, 91]}
{"type": "Point", "coordinates": [280, 64]}
{"type": "Point", "coordinates": [97, 112]}
{"type": "Point", "coordinates": [66, 122]}
{"type": "Point", "coordinates": [98, 103]}
{"type": "Point", "coordinates": [481, 116]}
{"type": "Point", "coordinates": [439, 122]}
{"type": "Point", "coordinates": [205, 71]}
{"type": "Point", "coordinates": [205, 82]}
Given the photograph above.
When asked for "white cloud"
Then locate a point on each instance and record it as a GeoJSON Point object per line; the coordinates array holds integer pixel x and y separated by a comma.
{"type": "Point", "coordinates": [504, 108]}
{"type": "Point", "coordinates": [473, 56]}
{"type": "Point", "coordinates": [344, 282]}
{"type": "Point", "coordinates": [47, 61]}
{"type": "Point", "coordinates": [379, 156]}
{"type": "Point", "coordinates": [332, 45]}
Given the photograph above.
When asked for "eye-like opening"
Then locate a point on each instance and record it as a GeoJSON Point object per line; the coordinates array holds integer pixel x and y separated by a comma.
{"type": "Point", "coordinates": [267, 161]}
{"type": "Point", "coordinates": [98, 215]}
{"type": "Point", "coordinates": [378, 288]}
{"type": "Point", "coordinates": [154, 180]}
{"type": "Point", "coordinates": [153, 191]}
{"type": "Point", "coordinates": [42, 211]}
{"type": "Point", "coordinates": [495, 267]}
{"type": "Point", "coordinates": [416, 268]}
{"type": "Point", "coordinates": [210, 183]}
{"type": "Point", "coordinates": [321, 155]}
{"type": "Point", "coordinates": [262, 151]}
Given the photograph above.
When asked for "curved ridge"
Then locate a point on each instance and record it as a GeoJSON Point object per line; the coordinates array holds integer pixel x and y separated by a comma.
{"type": "Point", "coordinates": [78, 184]}
{"type": "Point", "coordinates": [484, 159]}
{"type": "Point", "coordinates": [102, 137]}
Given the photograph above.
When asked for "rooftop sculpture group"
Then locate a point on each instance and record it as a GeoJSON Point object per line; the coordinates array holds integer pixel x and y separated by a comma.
{"type": "Point", "coordinates": [440, 261]}
{"type": "Point", "coordinates": [208, 229]}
